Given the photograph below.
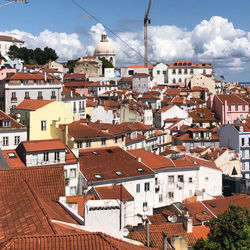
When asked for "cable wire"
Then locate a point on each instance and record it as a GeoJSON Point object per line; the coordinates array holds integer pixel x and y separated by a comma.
{"type": "Point", "coordinates": [106, 27]}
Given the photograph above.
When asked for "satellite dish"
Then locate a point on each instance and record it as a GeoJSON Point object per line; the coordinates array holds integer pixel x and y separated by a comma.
{"type": "Point", "coordinates": [170, 218]}
{"type": "Point", "coordinates": [125, 232]}
{"type": "Point", "coordinates": [18, 115]}
{"type": "Point", "coordinates": [174, 218]}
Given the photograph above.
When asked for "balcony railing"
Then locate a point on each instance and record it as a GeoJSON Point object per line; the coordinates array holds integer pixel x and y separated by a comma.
{"type": "Point", "coordinates": [13, 99]}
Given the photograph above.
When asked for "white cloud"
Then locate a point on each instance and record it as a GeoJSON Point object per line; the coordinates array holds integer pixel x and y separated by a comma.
{"type": "Point", "coordinates": [215, 41]}
{"type": "Point", "coordinates": [67, 46]}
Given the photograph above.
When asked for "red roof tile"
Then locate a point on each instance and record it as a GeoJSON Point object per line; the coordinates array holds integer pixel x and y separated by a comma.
{"type": "Point", "coordinates": [110, 163]}
{"type": "Point", "coordinates": [33, 104]}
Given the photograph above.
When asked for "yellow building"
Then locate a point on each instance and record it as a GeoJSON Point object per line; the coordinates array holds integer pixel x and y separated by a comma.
{"type": "Point", "coordinates": [42, 117]}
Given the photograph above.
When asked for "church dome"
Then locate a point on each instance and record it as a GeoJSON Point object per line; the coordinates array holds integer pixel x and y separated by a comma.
{"type": "Point", "coordinates": [104, 47]}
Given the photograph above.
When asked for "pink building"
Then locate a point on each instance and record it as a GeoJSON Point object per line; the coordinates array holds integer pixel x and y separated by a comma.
{"type": "Point", "coordinates": [5, 71]}
{"type": "Point", "coordinates": [228, 108]}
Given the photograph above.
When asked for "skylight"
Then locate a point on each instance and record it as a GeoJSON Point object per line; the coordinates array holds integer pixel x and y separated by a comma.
{"type": "Point", "coordinates": [11, 155]}
{"type": "Point", "coordinates": [212, 205]}
{"type": "Point", "coordinates": [95, 153]}
{"type": "Point", "coordinates": [109, 151]}
{"type": "Point", "coordinates": [98, 176]}
{"type": "Point", "coordinates": [140, 170]}
{"type": "Point", "coordinates": [119, 173]}
{"type": "Point", "coordinates": [204, 212]}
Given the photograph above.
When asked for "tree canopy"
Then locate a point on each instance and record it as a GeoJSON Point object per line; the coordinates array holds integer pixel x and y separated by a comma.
{"type": "Point", "coordinates": [30, 56]}
{"type": "Point", "coordinates": [106, 64]}
{"type": "Point", "coordinates": [230, 230]}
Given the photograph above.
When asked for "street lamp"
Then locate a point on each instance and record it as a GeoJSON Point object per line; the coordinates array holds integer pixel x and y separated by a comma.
{"type": "Point", "coordinates": [13, 1]}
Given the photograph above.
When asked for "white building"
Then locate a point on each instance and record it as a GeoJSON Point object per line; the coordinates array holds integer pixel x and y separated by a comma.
{"type": "Point", "coordinates": [179, 71]}
{"type": "Point", "coordinates": [6, 42]}
{"type": "Point", "coordinates": [141, 82]}
{"type": "Point", "coordinates": [105, 115]}
{"type": "Point", "coordinates": [170, 111]}
{"type": "Point", "coordinates": [159, 73]}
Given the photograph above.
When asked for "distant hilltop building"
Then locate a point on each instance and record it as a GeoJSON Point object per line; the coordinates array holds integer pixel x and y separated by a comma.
{"type": "Point", "coordinates": [105, 49]}
{"type": "Point", "coordinates": [6, 42]}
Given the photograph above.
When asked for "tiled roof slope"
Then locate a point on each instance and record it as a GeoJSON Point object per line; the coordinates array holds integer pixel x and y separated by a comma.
{"type": "Point", "coordinates": [114, 192]}
{"type": "Point", "coordinates": [25, 211]}
{"type": "Point", "coordinates": [48, 180]}
{"type": "Point", "coordinates": [107, 161]}
{"type": "Point", "coordinates": [152, 160]}
{"type": "Point", "coordinates": [88, 241]}
{"type": "Point", "coordinates": [33, 104]}
{"type": "Point", "coordinates": [14, 123]}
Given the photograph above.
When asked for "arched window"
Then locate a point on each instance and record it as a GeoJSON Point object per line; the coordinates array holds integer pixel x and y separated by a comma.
{"type": "Point", "coordinates": [111, 59]}
{"type": "Point", "coordinates": [179, 79]}
{"type": "Point", "coordinates": [174, 81]}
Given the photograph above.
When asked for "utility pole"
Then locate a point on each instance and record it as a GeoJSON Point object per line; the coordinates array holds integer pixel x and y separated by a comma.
{"type": "Point", "coordinates": [146, 21]}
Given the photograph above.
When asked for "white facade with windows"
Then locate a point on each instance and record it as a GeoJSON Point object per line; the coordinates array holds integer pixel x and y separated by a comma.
{"type": "Point", "coordinates": [159, 73]}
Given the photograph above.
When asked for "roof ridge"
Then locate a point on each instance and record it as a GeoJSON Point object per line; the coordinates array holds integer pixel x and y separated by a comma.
{"type": "Point", "coordinates": [41, 207]}
{"type": "Point", "coordinates": [101, 235]}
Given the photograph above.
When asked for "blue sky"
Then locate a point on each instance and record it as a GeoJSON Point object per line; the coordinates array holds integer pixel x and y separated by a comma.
{"type": "Point", "coordinates": [175, 26]}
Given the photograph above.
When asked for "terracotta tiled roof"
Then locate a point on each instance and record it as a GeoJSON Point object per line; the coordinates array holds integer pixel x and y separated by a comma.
{"type": "Point", "coordinates": [27, 76]}
{"type": "Point", "coordinates": [80, 129]}
{"type": "Point", "coordinates": [110, 163]}
{"type": "Point", "coordinates": [43, 145]}
{"type": "Point", "coordinates": [13, 162]}
{"type": "Point", "coordinates": [125, 79]}
{"type": "Point", "coordinates": [231, 99]}
{"type": "Point", "coordinates": [152, 160]}
{"type": "Point", "coordinates": [33, 104]}
{"type": "Point", "coordinates": [25, 211]}
{"type": "Point", "coordinates": [140, 66]}
{"type": "Point", "coordinates": [202, 114]}
{"type": "Point", "coordinates": [10, 39]}
{"type": "Point", "coordinates": [201, 232]}
{"type": "Point", "coordinates": [171, 229]}
{"type": "Point", "coordinates": [90, 241]}
{"type": "Point", "coordinates": [149, 96]}
{"type": "Point", "coordinates": [166, 108]}
{"type": "Point", "coordinates": [49, 181]}
{"type": "Point", "coordinates": [172, 91]}
{"type": "Point", "coordinates": [138, 138]}
{"type": "Point", "coordinates": [71, 76]}
{"type": "Point", "coordinates": [51, 70]}
{"type": "Point", "coordinates": [13, 122]}
{"type": "Point", "coordinates": [90, 103]}
{"type": "Point", "coordinates": [80, 200]}
{"type": "Point", "coordinates": [117, 192]}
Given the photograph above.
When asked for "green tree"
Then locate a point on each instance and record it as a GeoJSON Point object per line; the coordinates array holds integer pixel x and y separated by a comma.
{"type": "Point", "coordinates": [49, 54]}
{"type": "Point", "coordinates": [230, 230]}
{"type": "Point", "coordinates": [13, 52]}
{"type": "Point", "coordinates": [106, 64]}
{"type": "Point", "coordinates": [2, 58]}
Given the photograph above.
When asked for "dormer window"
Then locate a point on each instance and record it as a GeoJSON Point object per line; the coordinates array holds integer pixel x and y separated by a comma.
{"type": "Point", "coordinates": [6, 123]}
{"type": "Point", "coordinates": [57, 157]}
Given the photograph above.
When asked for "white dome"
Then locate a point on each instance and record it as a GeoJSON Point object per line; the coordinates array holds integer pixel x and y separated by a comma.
{"type": "Point", "coordinates": [104, 47]}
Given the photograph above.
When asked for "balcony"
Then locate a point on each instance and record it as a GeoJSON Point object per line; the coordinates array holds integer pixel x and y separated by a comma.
{"type": "Point", "coordinates": [53, 97]}
{"type": "Point", "coordinates": [13, 99]}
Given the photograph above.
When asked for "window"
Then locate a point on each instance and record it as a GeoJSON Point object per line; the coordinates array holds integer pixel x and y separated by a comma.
{"type": "Point", "coordinates": [12, 155]}
{"type": "Point", "coordinates": [138, 187]}
{"type": "Point", "coordinates": [6, 123]}
{"type": "Point", "coordinates": [229, 108]}
{"type": "Point", "coordinates": [164, 72]}
{"type": "Point", "coordinates": [204, 71]}
{"type": "Point", "coordinates": [242, 141]}
{"type": "Point", "coordinates": [43, 125]}
{"type": "Point", "coordinates": [185, 71]}
{"type": "Point", "coordinates": [170, 195]}
{"type": "Point", "coordinates": [158, 72]}
{"type": "Point", "coordinates": [179, 71]}
{"type": "Point", "coordinates": [243, 166]}
{"type": "Point", "coordinates": [191, 71]}
{"type": "Point", "coordinates": [236, 107]}
{"type": "Point", "coordinates": [5, 141]}
{"type": "Point", "coordinates": [119, 173]}
{"type": "Point", "coordinates": [116, 139]}
{"type": "Point", "coordinates": [72, 190]}
{"type": "Point", "coordinates": [79, 144]}
{"type": "Point", "coordinates": [53, 93]}
{"type": "Point", "coordinates": [174, 71]}
{"type": "Point", "coordinates": [103, 141]}
{"type": "Point", "coordinates": [65, 174]}
{"type": "Point", "coordinates": [98, 176]}
{"type": "Point", "coordinates": [140, 170]}
{"type": "Point", "coordinates": [13, 95]}
{"type": "Point", "coordinates": [146, 186]}
{"type": "Point", "coordinates": [40, 93]}
{"type": "Point", "coordinates": [180, 178]}
{"type": "Point", "coordinates": [206, 178]}
{"type": "Point", "coordinates": [179, 79]}
{"type": "Point", "coordinates": [160, 198]}
{"type": "Point", "coordinates": [190, 179]}
{"type": "Point", "coordinates": [131, 72]}
{"type": "Point", "coordinates": [243, 154]}
{"type": "Point", "coordinates": [46, 157]}
{"type": "Point", "coordinates": [74, 107]}
{"type": "Point", "coordinates": [171, 179]}
{"type": "Point", "coordinates": [26, 95]}
{"type": "Point", "coordinates": [88, 144]}
{"type": "Point", "coordinates": [145, 206]}
{"type": "Point", "coordinates": [72, 173]}
{"type": "Point", "coordinates": [243, 107]}
{"type": "Point", "coordinates": [57, 156]}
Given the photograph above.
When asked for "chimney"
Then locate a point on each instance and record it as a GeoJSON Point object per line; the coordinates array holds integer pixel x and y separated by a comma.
{"type": "Point", "coordinates": [45, 76]}
{"type": "Point", "coordinates": [164, 240]}
{"type": "Point", "coordinates": [188, 224]}
{"type": "Point", "coordinates": [138, 159]}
